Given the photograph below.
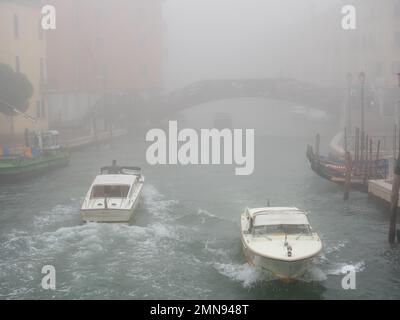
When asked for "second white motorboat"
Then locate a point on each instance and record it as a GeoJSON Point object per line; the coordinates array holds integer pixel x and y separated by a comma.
{"type": "Point", "coordinates": [280, 240]}
{"type": "Point", "coordinates": [114, 195]}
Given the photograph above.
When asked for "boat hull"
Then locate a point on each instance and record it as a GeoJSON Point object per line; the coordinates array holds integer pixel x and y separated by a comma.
{"type": "Point", "coordinates": [107, 215]}
{"type": "Point", "coordinates": [267, 257]}
{"type": "Point", "coordinates": [285, 270]}
{"type": "Point", "coordinates": [18, 171]}
{"type": "Point", "coordinates": [358, 182]}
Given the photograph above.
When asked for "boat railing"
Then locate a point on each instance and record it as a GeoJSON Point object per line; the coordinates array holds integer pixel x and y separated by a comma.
{"type": "Point", "coordinates": [19, 153]}
{"type": "Point", "coordinates": [386, 143]}
{"type": "Point", "coordinates": [121, 170]}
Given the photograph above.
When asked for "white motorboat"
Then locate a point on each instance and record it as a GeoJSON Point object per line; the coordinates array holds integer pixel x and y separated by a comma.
{"type": "Point", "coordinates": [114, 195]}
{"type": "Point", "coordinates": [280, 240]}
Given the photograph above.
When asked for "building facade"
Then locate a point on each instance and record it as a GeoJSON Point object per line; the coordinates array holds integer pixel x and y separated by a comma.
{"type": "Point", "coordinates": [102, 47]}
{"type": "Point", "coordinates": [327, 53]}
{"type": "Point", "coordinates": [23, 48]}
{"type": "Point", "coordinates": [375, 48]}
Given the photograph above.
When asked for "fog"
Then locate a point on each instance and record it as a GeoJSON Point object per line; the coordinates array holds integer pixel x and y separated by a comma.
{"type": "Point", "coordinates": [209, 39]}
{"type": "Point", "coordinates": [199, 149]}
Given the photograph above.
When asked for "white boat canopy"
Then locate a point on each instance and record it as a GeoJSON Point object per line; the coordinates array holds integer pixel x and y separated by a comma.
{"type": "Point", "coordinates": [273, 219]}
{"type": "Point", "coordinates": [115, 179]}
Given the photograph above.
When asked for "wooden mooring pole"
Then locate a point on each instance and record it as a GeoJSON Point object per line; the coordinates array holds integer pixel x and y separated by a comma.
{"type": "Point", "coordinates": [362, 143]}
{"type": "Point", "coordinates": [394, 141]}
{"type": "Point", "coordinates": [366, 162]}
{"type": "Point", "coordinates": [317, 144]}
{"type": "Point", "coordinates": [394, 201]}
{"type": "Point", "coordinates": [378, 148]}
{"type": "Point", "coordinates": [349, 168]}
{"type": "Point", "coordinates": [369, 165]}
{"type": "Point", "coordinates": [357, 145]}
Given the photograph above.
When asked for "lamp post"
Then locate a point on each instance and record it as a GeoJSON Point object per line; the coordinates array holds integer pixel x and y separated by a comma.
{"type": "Point", "coordinates": [349, 82]}
{"type": "Point", "coordinates": [104, 98]}
{"type": "Point", "coordinates": [362, 85]}
{"type": "Point", "coordinates": [398, 102]}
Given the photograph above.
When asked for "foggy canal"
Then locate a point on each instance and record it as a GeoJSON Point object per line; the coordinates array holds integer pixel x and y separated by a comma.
{"type": "Point", "coordinates": [184, 242]}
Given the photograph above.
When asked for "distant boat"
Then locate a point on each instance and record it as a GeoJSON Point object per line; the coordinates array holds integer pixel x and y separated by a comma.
{"type": "Point", "coordinates": [280, 240]}
{"type": "Point", "coordinates": [24, 163]}
{"type": "Point", "coordinates": [306, 113]}
{"type": "Point", "coordinates": [114, 195]}
{"type": "Point", "coordinates": [334, 169]}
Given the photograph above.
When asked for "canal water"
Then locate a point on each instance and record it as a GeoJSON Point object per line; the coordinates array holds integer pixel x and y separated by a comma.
{"type": "Point", "coordinates": [184, 242]}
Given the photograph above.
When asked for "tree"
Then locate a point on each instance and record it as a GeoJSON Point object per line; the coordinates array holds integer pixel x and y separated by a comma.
{"type": "Point", "coordinates": [15, 91]}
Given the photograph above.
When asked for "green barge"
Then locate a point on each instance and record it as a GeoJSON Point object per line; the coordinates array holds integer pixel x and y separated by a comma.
{"type": "Point", "coordinates": [17, 167]}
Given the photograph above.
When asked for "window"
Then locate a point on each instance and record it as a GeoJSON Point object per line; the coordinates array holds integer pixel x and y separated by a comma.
{"type": "Point", "coordinates": [99, 14]}
{"type": "Point", "coordinates": [141, 13]}
{"type": "Point", "coordinates": [378, 68]}
{"type": "Point", "coordinates": [65, 105]}
{"type": "Point", "coordinates": [17, 65]}
{"type": "Point", "coordinates": [282, 229]}
{"type": "Point", "coordinates": [40, 30]}
{"type": "Point", "coordinates": [395, 67]}
{"type": "Point", "coordinates": [268, 230]}
{"type": "Point", "coordinates": [144, 70]}
{"type": "Point", "coordinates": [99, 44]}
{"type": "Point", "coordinates": [41, 70]}
{"type": "Point", "coordinates": [38, 109]}
{"type": "Point", "coordinates": [396, 39]}
{"type": "Point", "coordinates": [43, 109]}
{"type": "Point", "coordinates": [16, 27]}
{"type": "Point", "coordinates": [297, 229]}
{"type": "Point", "coordinates": [396, 10]}
{"type": "Point", "coordinates": [110, 191]}
{"type": "Point", "coordinates": [142, 42]}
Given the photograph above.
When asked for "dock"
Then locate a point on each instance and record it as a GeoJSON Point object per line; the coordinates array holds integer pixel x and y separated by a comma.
{"type": "Point", "coordinates": [83, 141]}
{"type": "Point", "coordinates": [381, 190]}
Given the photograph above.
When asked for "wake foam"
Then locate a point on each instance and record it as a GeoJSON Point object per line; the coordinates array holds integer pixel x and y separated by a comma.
{"type": "Point", "coordinates": [156, 203]}
{"type": "Point", "coordinates": [337, 268]}
{"type": "Point", "coordinates": [244, 273]}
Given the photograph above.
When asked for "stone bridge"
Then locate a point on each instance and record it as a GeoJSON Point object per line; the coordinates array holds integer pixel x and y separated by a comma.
{"type": "Point", "coordinates": [310, 95]}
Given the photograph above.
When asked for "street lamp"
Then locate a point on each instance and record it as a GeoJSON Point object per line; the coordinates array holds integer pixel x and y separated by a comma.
{"type": "Point", "coordinates": [349, 82]}
{"type": "Point", "coordinates": [362, 83]}
{"type": "Point", "coordinates": [398, 104]}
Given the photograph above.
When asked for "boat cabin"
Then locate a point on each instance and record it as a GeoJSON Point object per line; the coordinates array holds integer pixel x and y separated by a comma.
{"type": "Point", "coordinates": [109, 191]}
{"type": "Point", "coordinates": [112, 186]}
{"type": "Point", "coordinates": [275, 221]}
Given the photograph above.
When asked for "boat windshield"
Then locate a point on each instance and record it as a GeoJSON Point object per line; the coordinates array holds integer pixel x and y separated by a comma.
{"type": "Point", "coordinates": [110, 191]}
{"type": "Point", "coordinates": [279, 229]}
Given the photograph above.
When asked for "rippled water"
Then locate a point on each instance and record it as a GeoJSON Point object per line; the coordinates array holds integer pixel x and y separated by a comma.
{"type": "Point", "coordinates": [184, 241]}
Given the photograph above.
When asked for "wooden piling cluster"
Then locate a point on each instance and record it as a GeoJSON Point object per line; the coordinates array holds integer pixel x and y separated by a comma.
{"type": "Point", "coordinates": [361, 164]}
{"type": "Point", "coordinates": [366, 158]}
{"type": "Point", "coordinates": [362, 150]}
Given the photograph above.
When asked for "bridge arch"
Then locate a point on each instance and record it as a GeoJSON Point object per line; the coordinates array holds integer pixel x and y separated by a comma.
{"type": "Point", "coordinates": [326, 99]}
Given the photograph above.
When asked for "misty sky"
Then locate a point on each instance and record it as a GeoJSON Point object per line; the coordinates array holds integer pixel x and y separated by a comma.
{"type": "Point", "coordinates": [227, 38]}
